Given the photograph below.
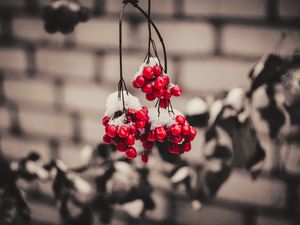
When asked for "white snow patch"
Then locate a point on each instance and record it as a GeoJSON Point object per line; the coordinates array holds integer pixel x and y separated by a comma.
{"type": "Point", "coordinates": [82, 186]}
{"type": "Point", "coordinates": [236, 98]}
{"type": "Point", "coordinates": [215, 110]}
{"type": "Point", "coordinates": [114, 103]}
{"type": "Point", "coordinates": [35, 168]}
{"type": "Point", "coordinates": [164, 119]}
{"type": "Point", "coordinates": [180, 175]}
{"type": "Point", "coordinates": [196, 106]}
{"type": "Point", "coordinates": [86, 154]}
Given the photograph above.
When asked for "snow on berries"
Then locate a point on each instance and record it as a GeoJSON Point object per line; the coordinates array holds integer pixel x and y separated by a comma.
{"type": "Point", "coordinates": [152, 80]}
{"type": "Point", "coordinates": [171, 128]}
{"type": "Point", "coordinates": [63, 16]}
{"type": "Point", "coordinates": [124, 127]}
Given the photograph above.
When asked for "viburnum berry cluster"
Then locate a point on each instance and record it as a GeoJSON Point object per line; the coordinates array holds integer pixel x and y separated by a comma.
{"type": "Point", "coordinates": [152, 80]}
{"type": "Point", "coordinates": [126, 120]}
{"type": "Point", "coordinates": [124, 127]}
{"type": "Point", "coordinates": [172, 129]}
{"type": "Point", "coordinates": [62, 16]}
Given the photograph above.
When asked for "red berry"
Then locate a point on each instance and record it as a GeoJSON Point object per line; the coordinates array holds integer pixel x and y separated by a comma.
{"type": "Point", "coordinates": [158, 93]}
{"type": "Point", "coordinates": [150, 97]}
{"type": "Point", "coordinates": [151, 136]}
{"type": "Point", "coordinates": [157, 70]}
{"type": "Point", "coordinates": [186, 146]}
{"type": "Point", "coordinates": [129, 119]}
{"type": "Point", "coordinates": [167, 94]}
{"type": "Point", "coordinates": [180, 119]}
{"type": "Point", "coordinates": [147, 118]}
{"type": "Point", "coordinates": [111, 130]}
{"type": "Point", "coordinates": [144, 158]}
{"type": "Point", "coordinates": [134, 84]}
{"type": "Point", "coordinates": [133, 129]}
{"type": "Point", "coordinates": [148, 72]}
{"type": "Point", "coordinates": [185, 129]}
{"type": "Point", "coordinates": [141, 115]}
{"type": "Point", "coordinates": [148, 145]}
{"type": "Point", "coordinates": [159, 83]}
{"type": "Point", "coordinates": [160, 133]}
{"type": "Point", "coordinates": [177, 139]}
{"type": "Point", "coordinates": [130, 140]}
{"type": "Point", "coordinates": [131, 153]}
{"type": "Point", "coordinates": [166, 79]}
{"type": "Point", "coordinates": [140, 81]}
{"type": "Point", "coordinates": [174, 148]}
{"type": "Point", "coordinates": [123, 131]}
{"type": "Point", "coordinates": [140, 124]}
{"type": "Point", "coordinates": [148, 88]}
{"type": "Point", "coordinates": [106, 139]}
{"type": "Point", "coordinates": [176, 90]}
{"type": "Point", "coordinates": [175, 129]}
{"type": "Point", "coordinates": [193, 133]}
{"type": "Point", "coordinates": [164, 103]}
{"type": "Point", "coordinates": [131, 111]}
{"type": "Point", "coordinates": [145, 109]}
{"type": "Point", "coordinates": [105, 120]}
{"type": "Point", "coordinates": [143, 138]}
{"type": "Point", "coordinates": [122, 147]}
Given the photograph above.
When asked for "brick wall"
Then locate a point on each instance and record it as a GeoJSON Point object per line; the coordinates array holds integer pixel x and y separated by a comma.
{"type": "Point", "coordinates": [53, 89]}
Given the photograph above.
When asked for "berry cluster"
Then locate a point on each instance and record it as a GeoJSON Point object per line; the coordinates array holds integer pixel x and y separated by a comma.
{"type": "Point", "coordinates": [175, 130]}
{"type": "Point", "coordinates": [155, 83]}
{"type": "Point", "coordinates": [63, 16]}
{"type": "Point", "coordinates": [123, 128]}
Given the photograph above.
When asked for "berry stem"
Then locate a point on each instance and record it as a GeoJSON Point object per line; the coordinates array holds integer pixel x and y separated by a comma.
{"type": "Point", "coordinates": [149, 29]}
{"type": "Point", "coordinates": [121, 84]}
{"type": "Point", "coordinates": [157, 32]}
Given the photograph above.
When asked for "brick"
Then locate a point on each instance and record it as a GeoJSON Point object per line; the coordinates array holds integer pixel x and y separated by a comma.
{"type": "Point", "coordinates": [183, 37]}
{"type": "Point", "coordinates": [289, 8]}
{"type": "Point", "coordinates": [16, 148]}
{"type": "Point", "coordinates": [262, 192]}
{"type": "Point", "coordinates": [86, 97]}
{"type": "Point", "coordinates": [257, 41]}
{"type": "Point", "coordinates": [293, 160]}
{"type": "Point", "coordinates": [228, 8]}
{"type": "Point", "coordinates": [29, 91]}
{"type": "Point", "coordinates": [92, 129]}
{"type": "Point", "coordinates": [131, 63]}
{"type": "Point", "coordinates": [12, 3]}
{"type": "Point", "coordinates": [33, 30]}
{"type": "Point", "coordinates": [13, 59]}
{"type": "Point", "coordinates": [209, 215]}
{"type": "Point", "coordinates": [262, 220]}
{"type": "Point", "coordinates": [48, 214]}
{"type": "Point", "coordinates": [111, 68]}
{"type": "Point", "coordinates": [101, 33]}
{"type": "Point", "coordinates": [162, 7]}
{"type": "Point", "coordinates": [46, 124]}
{"type": "Point", "coordinates": [5, 119]}
{"type": "Point", "coordinates": [68, 64]}
{"type": "Point", "coordinates": [213, 74]}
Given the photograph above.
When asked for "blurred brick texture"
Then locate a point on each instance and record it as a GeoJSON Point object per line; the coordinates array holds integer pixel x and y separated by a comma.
{"type": "Point", "coordinates": [53, 89]}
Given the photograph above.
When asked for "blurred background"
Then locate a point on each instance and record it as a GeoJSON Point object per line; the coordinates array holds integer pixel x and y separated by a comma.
{"type": "Point", "coordinates": [53, 90]}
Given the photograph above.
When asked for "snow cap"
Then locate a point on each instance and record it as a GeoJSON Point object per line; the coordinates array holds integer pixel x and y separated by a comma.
{"type": "Point", "coordinates": [196, 106]}
{"type": "Point", "coordinates": [153, 61]}
{"type": "Point", "coordinates": [164, 119]}
{"type": "Point", "coordinates": [114, 103]}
